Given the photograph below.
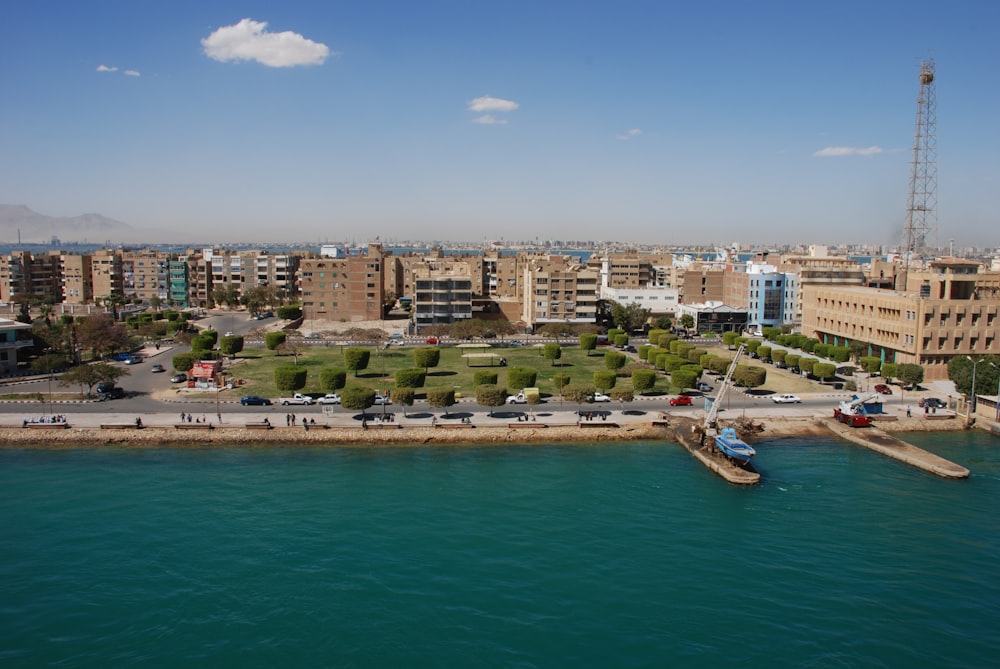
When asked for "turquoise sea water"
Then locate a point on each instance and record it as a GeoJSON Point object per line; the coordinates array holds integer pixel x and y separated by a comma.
{"type": "Point", "coordinates": [611, 555]}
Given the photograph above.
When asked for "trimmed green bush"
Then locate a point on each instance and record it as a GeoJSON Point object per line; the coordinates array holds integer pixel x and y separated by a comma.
{"type": "Point", "coordinates": [643, 380]}
{"type": "Point", "coordinates": [426, 356]}
{"type": "Point", "coordinates": [521, 377]}
{"type": "Point", "coordinates": [273, 340]}
{"type": "Point", "coordinates": [614, 360]}
{"type": "Point", "coordinates": [332, 379]}
{"type": "Point", "coordinates": [289, 378]}
{"type": "Point", "coordinates": [605, 380]}
{"type": "Point", "coordinates": [490, 395]}
{"type": "Point", "coordinates": [289, 312]}
{"type": "Point", "coordinates": [411, 378]}
{"type": "Point", "coordinates": [484, 377]}
{"type": "Point", "coordinates": [183, 362]}
{"type": "Point", "coordinates": [356, 359]}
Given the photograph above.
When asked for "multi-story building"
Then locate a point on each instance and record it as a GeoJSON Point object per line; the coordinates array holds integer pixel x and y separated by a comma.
{"type": "Point", "coordinates": [559, 290]}
{"type": "Point", "coordinates": [77, 279]}
{"type": "Point", "coordinates": [703, 282]}
{"type": "Point", "coordinates": [715, 316]}
{"type": "Point", "coordinates": [768, 295]}
{"type": "Point", "coordinates": [830, 271]}
{"type": "Point", "coordinates": [13, 337]}
{"type": "Point", "coordinates": [107, 274]}
{"type": "Point", "coordinates": [443, 293]}
{"type": "Point", "coordinates": [146, 275]}
{"type": "Point", "coordinates": [343, 289]}
{"type": "Point", "coordinates": [943, 313]}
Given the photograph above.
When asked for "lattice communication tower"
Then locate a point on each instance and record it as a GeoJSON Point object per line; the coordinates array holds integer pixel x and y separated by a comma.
{"type": "Point", "coordinates": [921, 220]}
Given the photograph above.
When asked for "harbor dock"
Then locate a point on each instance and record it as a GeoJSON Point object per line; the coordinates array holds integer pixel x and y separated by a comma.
{"type": "Point", "coordinates": [690, 439]}
{"type": "Point", "coordinates": [876, 440]}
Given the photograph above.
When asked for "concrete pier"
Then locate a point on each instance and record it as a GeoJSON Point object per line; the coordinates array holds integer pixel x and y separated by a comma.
{"type": "Point", "coordinates": [711, 458]}
{"type": "Point", "coordinates": [876, 440]}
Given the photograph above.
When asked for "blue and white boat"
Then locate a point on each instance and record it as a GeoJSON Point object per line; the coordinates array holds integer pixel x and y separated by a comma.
{"type": "Point", "coordinates": [730, 444]}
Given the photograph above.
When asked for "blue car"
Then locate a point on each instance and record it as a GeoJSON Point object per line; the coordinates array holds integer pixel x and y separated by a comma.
{"type": "Point", "coordinates": [254, 400]}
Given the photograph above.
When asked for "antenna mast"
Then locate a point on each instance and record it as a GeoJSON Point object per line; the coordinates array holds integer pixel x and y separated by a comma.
{"type": "Point", "coordinates": [921, 219]}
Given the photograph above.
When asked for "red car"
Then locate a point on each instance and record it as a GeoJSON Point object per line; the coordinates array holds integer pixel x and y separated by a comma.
{"type": "Point", "coordinates": [883, 389]}
{"type": "Point", "coordinates": [432, 340]}
{"type": "Point", "coordinates": [680, 401]}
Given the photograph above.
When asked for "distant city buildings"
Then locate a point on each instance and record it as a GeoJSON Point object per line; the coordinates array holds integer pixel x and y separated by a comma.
{"type": "Point", "coordinates": [945, 309]}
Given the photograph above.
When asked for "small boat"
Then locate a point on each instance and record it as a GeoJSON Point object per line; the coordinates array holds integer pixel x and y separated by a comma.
{"type": "Point", "coordinates": [731, 445]}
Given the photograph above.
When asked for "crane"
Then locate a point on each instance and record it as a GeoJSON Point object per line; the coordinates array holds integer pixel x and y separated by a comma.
{"type": "Point", "coordinates": [713, 412]}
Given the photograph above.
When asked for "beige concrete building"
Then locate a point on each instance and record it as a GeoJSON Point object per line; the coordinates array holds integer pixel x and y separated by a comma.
{"type": "Point", "coordinates": [559, 290]}
{"type": "Point", "coordinates": [343, 289]}
{"type": "Point", "coordinates": [943, 313]}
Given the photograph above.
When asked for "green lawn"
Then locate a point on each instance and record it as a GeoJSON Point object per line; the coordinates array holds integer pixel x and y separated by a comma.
{"type": "Point", "coordinates": [256, 367]}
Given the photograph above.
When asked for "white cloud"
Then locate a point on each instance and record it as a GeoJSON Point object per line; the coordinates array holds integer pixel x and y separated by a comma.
{"type": "Point", "coordinates": [489, 104]}
{"type": "Point", "coordinates": [835, 151]}
{"type": "Point", "coordinates": [105, 68]}
{"type": "Point", "coordinates": [132, 73]}
{"type": "Point", "coordinates": [489, 119]}
{"type": "Point", "coordinates": [634, 132]}
{"type": "Point", "coordinates": [249, 40]}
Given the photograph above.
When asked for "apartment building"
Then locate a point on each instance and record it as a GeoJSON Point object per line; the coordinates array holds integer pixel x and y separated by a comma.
{"type": "Point", "coordinates": [559, 289]}
{"type": "Point", "coordinates": [943, 313]}
{"type": "Point", "coordinates": [343, 289]}
{"type": "Point", "coordinates": [703, 282]}
{"type": "Point", "coordinates": [77, 279]}
{"type": "Point", "coordinates": [107, 274]}
{"type": "Point", "coordinates": [146, 274]}
{"type": "Point", "coordinates": [443, 293]}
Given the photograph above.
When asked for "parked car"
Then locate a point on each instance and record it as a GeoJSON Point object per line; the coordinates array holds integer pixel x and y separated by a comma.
{"type": "Point", "coordinates": [786, 399]}
{"type": "Point", "coordinates": [704, 387]}
{"type": "Point", "coordinates": [329, 398]}
{"type": "Point", "coordinates": [380, 399]}
{"type": "Point", "coordinates": [255, 400]}
{"type": "Point", "coordinates": [519, 398]}
{"type": "Point", "coordinates": [114, 393]}
{"type": "Point", "coordinates": [432, 340]}
{"type": "Point", "coordinates": [628, 348]}
{"type": "Point", "coordinates": [157, 368]}
{"type": "Point", "coordinates": [680, 401]}
{"type": "Point", "coordinates": [133, 360]}
{"type": "Point", "coordinates": [179, 378]}
{"type": "Point", "coordinates": [296, 398]}
{"type": "Point", "coordinates": [931, 403]}
{"type": "Point", "coordinates": [104, 387]}
{"type": "Point", "coordinates": [600, 397]}
{"type": "Point", "coordinates": [883, 389]}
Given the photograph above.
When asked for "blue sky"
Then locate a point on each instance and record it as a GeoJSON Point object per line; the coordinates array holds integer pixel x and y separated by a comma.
{"type": "Point", "coordinates": [659, 122]}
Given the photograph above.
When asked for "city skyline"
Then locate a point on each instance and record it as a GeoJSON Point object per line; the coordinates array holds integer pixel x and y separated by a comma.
{"type": "Point", "coordinates": [636, 122]}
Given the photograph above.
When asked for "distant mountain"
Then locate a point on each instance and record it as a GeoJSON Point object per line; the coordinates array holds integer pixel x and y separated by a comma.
{"type": "Point", "coordinates": [39, 228]}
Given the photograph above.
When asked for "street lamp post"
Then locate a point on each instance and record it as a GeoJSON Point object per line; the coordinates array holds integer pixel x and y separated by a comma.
{"type": "Point", "coordinates": [997, 406]}
{"type": "Point", "coordinates": [972, 406]}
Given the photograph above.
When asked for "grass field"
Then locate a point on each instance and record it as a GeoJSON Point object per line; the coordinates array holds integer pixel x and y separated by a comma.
{"type": "Point", "coordinates": [256, 368]}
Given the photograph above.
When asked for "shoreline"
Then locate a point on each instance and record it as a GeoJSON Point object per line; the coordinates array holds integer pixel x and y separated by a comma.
{"type": "Point", "coordinates": [415, 435]}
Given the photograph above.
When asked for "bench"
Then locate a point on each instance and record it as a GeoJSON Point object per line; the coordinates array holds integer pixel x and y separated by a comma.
{"type": "Point", "coordinates": [529, 424]}
{"type": "Point", "coordinates": [259, 426]}
{"type": "Point", "coordinates": [193, 426]}
{"type": "Point", "coordinates": [455, 426]}
{"type": "Point", "coordinates": [378, 426]}
{"type": "Point", "coordinates": [597, 423]}
{"type": "Point", "coordinates": [47, 426]}
{"type": "Point", "coordinates": [660, 422]}
{"type": "Point", "coordinates": [119, 426]}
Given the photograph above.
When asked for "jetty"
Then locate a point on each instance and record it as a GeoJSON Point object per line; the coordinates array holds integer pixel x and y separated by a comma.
{"type": "Point", "coordinates": [881, 442]}
{"type": "Point", "coordinates": [688, 435]}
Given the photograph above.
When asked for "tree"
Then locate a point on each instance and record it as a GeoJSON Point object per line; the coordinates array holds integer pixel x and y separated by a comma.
{"type": "Point", "coordinates": [484, 377]}
{"type": "Point", "coordinates": [490, 395]}
{"type": "Point", "coordinates": [404, 397]}
{"type": "Point", "coordinates": [357, 398]}
{"type": "Point", "coordinates": [588, 342]}
{"type": "Point", "coordinates": [441, 398]}
{"type": "Point", "coordinates": [356, 359]}
{"type": "Point", "coordinates": [102, 335]}
{"type": "Point", "coordinates": [231, 345]}
{"type": "Point", "coordinates": [686, 321]}
{"type": "Point", "coordinates": [613, 360]}
{"type": "Point", "coordinates": [521, 377]}
{"type": "Point", "coordinates": [960, 371]}
{"type": "Point", "coordinates": [889, 370]}
{"type": "Point", "coordinates": [622, 395]}
{"type": "Point", "coordinates": [683, 378]}
{"type": "Point", "coordinates": [631, 317]}
{"type": "Point", "coordinates": [643, 380]}
{"type": "Point", "coordinates": [292, 347]}
{"type": "Point", "coordinates": [581, 394]}
{"type": "Point", "coordinates": [92, 374]}
{"type": "Point", "coordinates": [911, 375]}
{"type": "Point", "coordinates": [274, 339]}
{"type": "Point", "coordinates": [749, 376]}
{"type": "Point", "coordinates": [560, 381]}
{"type": "Point", "coordinates": [858, 349]}
{"type": "Point", "coordinates": [426, 357]}
{"type": "Point", "coordinates": [553, 352]}
{"type": "Point", "coordinates": [605, 380]}
{"type": "Point", "coordinates": [824, 371]}
{"type": "Point", "coordinates": [289, 378]}
{"type": "Point", "coordinates": [411, 378]}
{"type": "Point", "coordinates": [332, 379]}
{"type": "Point", "coordinates": [289, 312]}
{"type": "Point", "coordinates": [870, 364]}
{"type": "Point", "coordinates": [183, 362]}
